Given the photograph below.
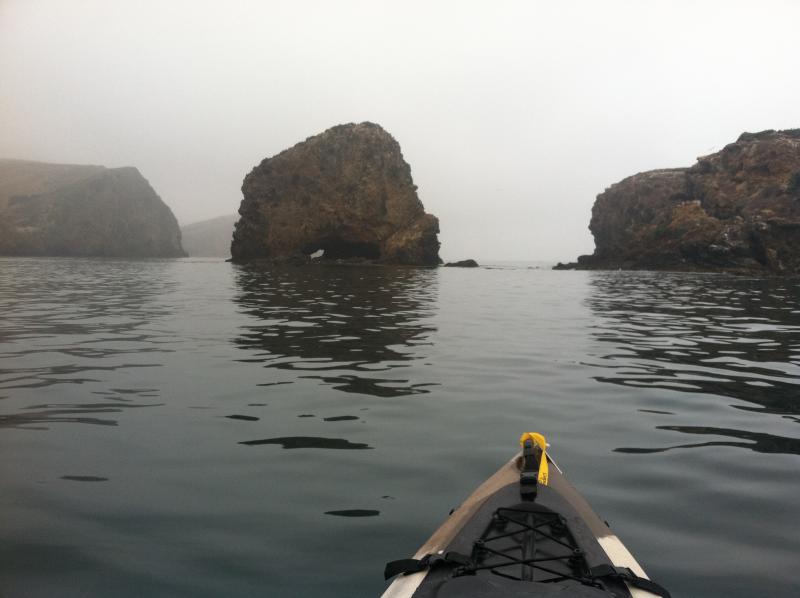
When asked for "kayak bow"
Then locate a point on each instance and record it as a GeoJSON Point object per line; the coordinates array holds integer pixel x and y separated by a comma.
{"type": "Point", "coordinates": [524, 532]}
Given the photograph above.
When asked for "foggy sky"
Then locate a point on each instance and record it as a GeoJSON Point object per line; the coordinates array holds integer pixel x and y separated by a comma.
{"type": "Point", "coordinates": [512, 115]}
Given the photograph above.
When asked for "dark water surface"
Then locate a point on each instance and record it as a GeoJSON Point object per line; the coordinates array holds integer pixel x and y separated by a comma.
{"type": "Point", "coordinates": [193, 428]}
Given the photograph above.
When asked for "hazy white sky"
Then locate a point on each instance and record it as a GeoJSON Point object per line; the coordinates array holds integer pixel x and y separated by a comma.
{"type": "Point", "coordinates": [513, 115]}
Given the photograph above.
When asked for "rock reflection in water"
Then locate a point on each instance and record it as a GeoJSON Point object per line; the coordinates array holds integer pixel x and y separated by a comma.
{"type": "Point", "coordinates": [354, 513]}
{"type": "Point", "coordinates": [306, 442]}
{"type": "Point", "coordinates": [760, 443]}
{"type": "Point", "coordinates": [347, 322]}
{"type": "Point", "coordinates": [704, 333]}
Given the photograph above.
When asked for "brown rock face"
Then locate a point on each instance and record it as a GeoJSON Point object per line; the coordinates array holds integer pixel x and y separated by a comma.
{"type": "Point", "coordinates": [347, 191]}
{"type": "Point", "coordinates": [73, 210]}
{"type": "Point", "coordinates": [737, 209]}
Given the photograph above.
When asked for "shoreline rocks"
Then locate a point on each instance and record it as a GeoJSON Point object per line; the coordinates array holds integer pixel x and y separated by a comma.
{"type": "Point", "coordinates": [737, 210]}
{"type": "Point", "coordinates": [462, 264]}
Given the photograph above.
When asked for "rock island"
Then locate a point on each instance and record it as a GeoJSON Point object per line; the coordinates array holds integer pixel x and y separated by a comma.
{"type": "Point", "coordinates": [343, 195]}
{"type": "Point", "coordinates": [734, 210]}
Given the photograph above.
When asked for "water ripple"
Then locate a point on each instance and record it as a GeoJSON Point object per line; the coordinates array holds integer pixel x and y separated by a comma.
{"type": "Point", "coordinates": [59, 323]}
{"type": "Point", "coordinates": [347, 322]}
{"type": "Point", "coordinates": [310, 442]}
{"type": "Point", "coordinates": [757, 442]}
{"type": "Point", "coordinates": [733, 337]}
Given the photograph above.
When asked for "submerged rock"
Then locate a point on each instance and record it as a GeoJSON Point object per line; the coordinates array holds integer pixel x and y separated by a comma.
{"type": "Point", "coordinates": [737, 209]}
{"type": "Point", "coordinates": [345, 194]}
{"type": "Point", "coordinates": [462, 264]}
{"type": "Point", "coordinates": [72, 210]}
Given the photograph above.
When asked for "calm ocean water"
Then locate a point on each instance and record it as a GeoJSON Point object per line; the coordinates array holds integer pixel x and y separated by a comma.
{"type": "Point", "coordinates": [193, 428]}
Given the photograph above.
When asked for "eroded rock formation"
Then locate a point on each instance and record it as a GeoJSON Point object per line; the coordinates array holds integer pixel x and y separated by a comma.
{"type": "Point", "coordinates": [347, 191]}
{"type": "Point", "coordinates": [737, 209]}
{"type": "Point", "coordinates": [71, 210]}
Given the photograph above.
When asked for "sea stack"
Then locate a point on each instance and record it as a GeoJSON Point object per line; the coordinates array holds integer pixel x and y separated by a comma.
{"type": "Point", "coordinates": [344, 195]}
{"type": "Point", "coordinates": [76, 210]}
{"type": "Point", "coordinates": [735, 210]}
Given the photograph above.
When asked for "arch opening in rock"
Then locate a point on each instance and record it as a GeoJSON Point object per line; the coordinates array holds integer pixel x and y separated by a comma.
{"type": "Point", "coordinates": [352, 194]}
{"type": "Point", "coordinates": [335, 248]}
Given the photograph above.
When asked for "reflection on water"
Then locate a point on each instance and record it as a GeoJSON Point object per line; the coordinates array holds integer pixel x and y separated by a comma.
{"type": "Point", "coordinates": [347, 322]}
{"type": "Point", "coordinates": [306, 442]}
{"type": "Point", "coordinates": [33, 416]}
{"type": "Point", "coordinates": [760, 443]}
{"type": "Point", "coordinates": [177, 363]}
{"type": "Point", "coordinates": [244, 418]}
{"type": "Point", "coordinates": [354, 513]}
{"type": "Point", "coordinates": [78, 323]}
{"type": "Point", "coordinates": [721, 335]}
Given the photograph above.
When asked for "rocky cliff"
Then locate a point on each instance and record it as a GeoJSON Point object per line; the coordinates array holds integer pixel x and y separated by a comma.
{"type": "Point", "coordinates": [737, 209]}
{"type": "Point", "coordinates": [71, 210]}
{"type": "Point", "coordinates": [209, 238]}
{"type": "Point", "coordinates": [347, 191]}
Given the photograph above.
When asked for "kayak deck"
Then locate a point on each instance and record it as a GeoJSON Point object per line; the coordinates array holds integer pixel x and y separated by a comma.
{"type": "Point", "coordinates": [499, 543]}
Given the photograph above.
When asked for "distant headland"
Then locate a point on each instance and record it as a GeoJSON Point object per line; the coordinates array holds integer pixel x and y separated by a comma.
{"type": "Point", "coordinates": [343, 195]}
{"type": "Point", "coordinates": [735, 210]}
{"type": "Point", "coordinates": [76, 210]}
{"type": "Point", "coordinates": [209, 238]}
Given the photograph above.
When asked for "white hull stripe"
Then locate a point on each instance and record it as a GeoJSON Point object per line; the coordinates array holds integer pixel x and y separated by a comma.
{"type": "Point", "coordinates": [621, 557]}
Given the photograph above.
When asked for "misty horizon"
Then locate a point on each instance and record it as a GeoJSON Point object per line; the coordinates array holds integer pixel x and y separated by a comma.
{"type": "Point", "coordinates": [288, 401]}
{"type": "Point", "coordinates": [512, 117]}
